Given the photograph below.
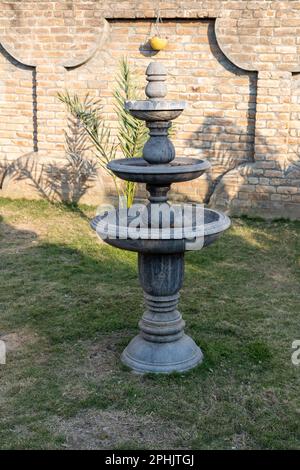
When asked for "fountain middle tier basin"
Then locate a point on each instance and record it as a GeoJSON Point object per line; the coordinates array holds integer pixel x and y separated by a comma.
{"type": "Point", "coordinates": [111, 228]}
{"type": "Point", "coordinates": [140, 171]}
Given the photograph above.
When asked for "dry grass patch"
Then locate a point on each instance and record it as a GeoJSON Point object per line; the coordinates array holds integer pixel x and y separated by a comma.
{"type": "Point", "coordinates": [114, 429]}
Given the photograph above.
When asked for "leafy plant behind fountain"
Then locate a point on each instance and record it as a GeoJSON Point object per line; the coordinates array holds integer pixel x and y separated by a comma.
{"type": "Point", "coordinates": [131, 133]}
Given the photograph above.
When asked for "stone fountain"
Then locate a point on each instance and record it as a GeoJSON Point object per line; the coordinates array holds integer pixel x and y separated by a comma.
{"type": "Point", "coordinates": [161, 346]}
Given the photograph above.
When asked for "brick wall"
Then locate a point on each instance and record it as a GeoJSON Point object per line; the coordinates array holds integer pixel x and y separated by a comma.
{"type": "Point", "coordinates": [236, 64]}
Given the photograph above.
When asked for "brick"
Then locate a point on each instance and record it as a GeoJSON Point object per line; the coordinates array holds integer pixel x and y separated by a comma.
{"type": "Point", "coordinates": [287, 190]}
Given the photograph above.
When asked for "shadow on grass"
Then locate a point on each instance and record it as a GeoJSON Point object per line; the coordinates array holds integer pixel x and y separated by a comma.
{"type": "Point", "coordinates": [63, 292]}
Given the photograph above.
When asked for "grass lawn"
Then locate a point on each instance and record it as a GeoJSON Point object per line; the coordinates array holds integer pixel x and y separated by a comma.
{"type": "Point", "coordinates": [69, 305]}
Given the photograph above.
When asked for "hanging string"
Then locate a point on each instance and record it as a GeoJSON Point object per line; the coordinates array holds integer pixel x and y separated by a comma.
{"type": "Point", "coordinates": [157, 22]}
{"type": "Point", "coordinates": [154, 26]}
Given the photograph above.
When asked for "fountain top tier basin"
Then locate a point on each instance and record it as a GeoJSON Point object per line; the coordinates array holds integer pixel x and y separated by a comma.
{"type": "Point", "coordinates": [154, 110]}
{"type": "Point", "coordinates": [158, 165]}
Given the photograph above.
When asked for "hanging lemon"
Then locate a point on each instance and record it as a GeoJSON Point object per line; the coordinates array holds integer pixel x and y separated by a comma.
{"type": "Point", "coordinates": [157, 43]}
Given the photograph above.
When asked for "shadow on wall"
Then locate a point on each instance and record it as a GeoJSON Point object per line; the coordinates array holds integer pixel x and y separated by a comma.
{"type": "Point", "coordinates": [293, 168]}
{"type": "Point", "coordinates": [230, 150]}
{"type": "Point", "coordinates": [230, 147]}
{"type": "Point", "coordinates": [54, 182]}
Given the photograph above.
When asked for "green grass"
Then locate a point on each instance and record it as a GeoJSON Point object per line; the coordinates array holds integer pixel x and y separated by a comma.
{"type": "Point", "coordinates": [70, 304]}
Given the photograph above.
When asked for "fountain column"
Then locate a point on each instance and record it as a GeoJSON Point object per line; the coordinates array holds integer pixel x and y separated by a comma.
{"type": "Point", "coordinates": [162, 345]}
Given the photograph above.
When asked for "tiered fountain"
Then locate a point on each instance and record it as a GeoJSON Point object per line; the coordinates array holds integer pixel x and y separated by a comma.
{"type": "Point", "coordinates": [161, 346]}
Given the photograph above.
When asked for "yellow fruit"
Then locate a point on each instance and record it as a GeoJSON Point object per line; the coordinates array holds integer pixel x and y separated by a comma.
{"type": "Point", "coordinates": [158, 44]}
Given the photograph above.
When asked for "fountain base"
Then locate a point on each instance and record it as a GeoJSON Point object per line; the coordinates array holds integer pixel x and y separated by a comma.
{"type": "Point", "coordinates": [143, 356]}
{"type": "Point", "coordinates": [162, 346]}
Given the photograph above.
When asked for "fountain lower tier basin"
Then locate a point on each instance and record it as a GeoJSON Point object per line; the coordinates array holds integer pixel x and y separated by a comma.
{"type": "Point", "coordinates": [139, 171]}
{"type": "Point", "coordinates": [161, 240]}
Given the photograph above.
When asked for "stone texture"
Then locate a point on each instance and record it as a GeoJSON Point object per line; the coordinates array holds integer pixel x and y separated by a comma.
{"type": "Point", "coordinates": [161, 345]}
{"type": "Point", "coordinates": [236, 63]}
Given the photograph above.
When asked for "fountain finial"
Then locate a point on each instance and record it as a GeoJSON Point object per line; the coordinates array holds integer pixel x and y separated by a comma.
{"type": "Point", "coordinates": [156, 75]}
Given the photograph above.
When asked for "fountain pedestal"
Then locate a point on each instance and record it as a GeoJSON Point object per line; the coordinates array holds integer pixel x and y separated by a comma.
{"type": "Point", "coordinates": [162, 345]}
